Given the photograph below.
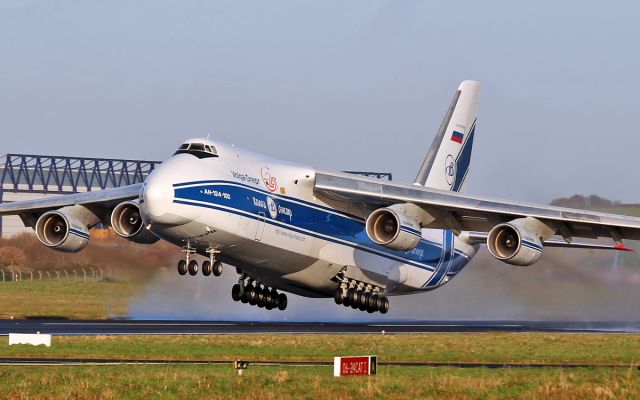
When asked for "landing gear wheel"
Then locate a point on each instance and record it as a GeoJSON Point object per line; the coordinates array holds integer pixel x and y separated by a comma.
{"type": "Point", "coordinates": [252, 294]}
{"type": "Point", "coordinates": [217, 268]}
{"type": "Point", "coordinates": [206, 268]}
{"type": "Point", "coordinates": [364, 300]}
{"type": "Point", "coordinates": [385, 305]}
{"type": "Point", "coordinates": [193, 267]}
{"type": "Point", "coordinates": [245, 295]}
{"type": "Point", "coordinates": [338, 297]}
{"type": "Point", "coordinates": [182, 267]}
{"type": "Point", "coordinates": [282, 302]}
{"type": "Point", "coordinates": [259, 295]}
{"type": "Point", "coordinates": [352, 295]}
{"type": "Point", "coordinates": [355, 299]}
{"type": "Point", "coordinates": [268, 300]}
{"type": "Point", "coordinates": [235, 292]}
{"type": "Point", "coordinates": [275, 299]}
{"type": "Point", "coordinates": [373, 303]}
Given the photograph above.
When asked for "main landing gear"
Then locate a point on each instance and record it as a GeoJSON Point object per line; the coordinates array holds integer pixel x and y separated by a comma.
{"type": "Point", "coordinates": [211, 266]}
{"type": "Point", "coordinates": [363, 297]}
{"type": "Point", "coordinates": [251, 291]}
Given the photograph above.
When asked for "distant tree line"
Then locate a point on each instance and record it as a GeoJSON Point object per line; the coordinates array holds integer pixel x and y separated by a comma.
{"type": "Point", "coordinates": [592, 202]}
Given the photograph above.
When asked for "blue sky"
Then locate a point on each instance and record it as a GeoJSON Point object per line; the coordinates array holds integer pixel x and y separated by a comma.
{"type": "Point", "coordinates": [339, 85]}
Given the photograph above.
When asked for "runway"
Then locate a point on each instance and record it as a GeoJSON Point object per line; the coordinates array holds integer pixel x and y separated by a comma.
{"type": "Point", "coordinates": [130, 327]}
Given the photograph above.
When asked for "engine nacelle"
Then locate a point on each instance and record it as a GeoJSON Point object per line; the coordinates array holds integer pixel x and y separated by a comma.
{"type": "Point", "coordinates": [397, 227]}
{"type": "Point", "coordinates": [65, 229]}
{"type": "Point", "coordinates": [515, 242]}
{"type": "Point", "coordinates": [126, 222]}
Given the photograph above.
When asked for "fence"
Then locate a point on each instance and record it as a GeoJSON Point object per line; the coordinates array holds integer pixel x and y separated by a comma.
{"type": "Point", "coordinates": [71, 274]}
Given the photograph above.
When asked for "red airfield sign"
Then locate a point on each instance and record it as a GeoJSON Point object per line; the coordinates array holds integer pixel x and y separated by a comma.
{"type": "Point", "coordinates": [359, 365]}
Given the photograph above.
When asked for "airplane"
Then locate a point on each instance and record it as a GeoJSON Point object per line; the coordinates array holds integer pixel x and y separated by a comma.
{"type": "Point", "coordinates": [292, 228]}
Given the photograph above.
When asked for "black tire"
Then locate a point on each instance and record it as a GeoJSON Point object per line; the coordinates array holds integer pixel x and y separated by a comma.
{"type": "Point", "coordinates": [217, 268]}
{"type": "Point", "coordinates": [274, 298]}
{"type": "Point", "coordinates": [379, 303]}
{"type": "Point", "coordinates": [364, 301]}
{"type": "Point", "coordinates": [182, 267]}
{"type": "Point", "coordinates": [245, 295]}
{"type": "Point", "coordinates": [259, 295]}
{"type": "Point", "coordinates": [353, 296]}
{"type": "Point", "coordinates": [338, 296]}
{"type": "Point", "coordinates": [252, 294]}
{"type": "Point", "coordinates": [206, 268]}
{"type": "Point", "coordinates": [235, 292]}
{"type": "Point", "coordinates": [385, 305]}
{"type": "Point", "coordinates": [346, 300]}
{"type": "Point", "coordinates": [282, 302]}
{"type": "Point", "coordinates": [193, 267]}
{"type": "Point", "coordinates": [373, 303]}
{"type": "Point", "coordinates": [267, 298]}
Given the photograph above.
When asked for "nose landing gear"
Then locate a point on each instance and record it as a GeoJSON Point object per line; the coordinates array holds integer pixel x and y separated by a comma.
{"type": "Point", "coordinates": [211, 266]}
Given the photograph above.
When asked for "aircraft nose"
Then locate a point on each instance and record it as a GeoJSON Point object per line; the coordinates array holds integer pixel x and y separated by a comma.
{"type": "Point", "coordinates": [157, 199]}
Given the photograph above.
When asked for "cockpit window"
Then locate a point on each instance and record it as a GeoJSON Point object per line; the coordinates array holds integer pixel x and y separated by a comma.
{"type": "Point", "coordinates": [199, 150]}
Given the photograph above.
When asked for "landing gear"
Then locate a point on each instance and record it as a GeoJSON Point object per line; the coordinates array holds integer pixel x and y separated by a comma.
{"type": "Point", "coordinates": [360, 296]}
{"type": "Point", "coordinates": [250, 291]}
{"type": "Point", "coordinates": [210, 266]}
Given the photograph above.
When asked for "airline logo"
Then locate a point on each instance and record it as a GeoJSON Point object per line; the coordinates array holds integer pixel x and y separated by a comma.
{"type": "Point", "coordinates": [457, 137]}
{"type": "Point", "coordinates": [269, 181]}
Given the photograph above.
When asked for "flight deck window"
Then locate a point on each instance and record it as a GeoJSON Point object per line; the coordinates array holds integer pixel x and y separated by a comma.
{"type": "Point", "coordinates": [199, 150]}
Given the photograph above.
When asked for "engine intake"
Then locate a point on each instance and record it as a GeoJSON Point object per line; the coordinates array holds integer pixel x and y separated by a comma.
{"type": "Point", "coordinates": [514, 244]}
{"type": "Point", "coordinates": [63, 230]}
{"type": "Point", "coordinates": [396, 227]}
{"type": "Point", "coordinates": [127, 222]}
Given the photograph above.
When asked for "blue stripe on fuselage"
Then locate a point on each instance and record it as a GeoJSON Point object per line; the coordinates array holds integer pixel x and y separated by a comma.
{"type": "Point", "coordinates": [303, 217]}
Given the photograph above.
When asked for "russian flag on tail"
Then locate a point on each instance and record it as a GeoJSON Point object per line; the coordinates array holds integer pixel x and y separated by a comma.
{"type": "Point", "coordinates": [457, 137]}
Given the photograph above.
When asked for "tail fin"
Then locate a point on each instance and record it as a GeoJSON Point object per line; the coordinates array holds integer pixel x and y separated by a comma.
{"type": "Point", "coordinates": [447, 162]}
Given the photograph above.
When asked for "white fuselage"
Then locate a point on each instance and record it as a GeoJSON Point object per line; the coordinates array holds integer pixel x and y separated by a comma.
{"type": "Point", "coordinates": [265, 219]}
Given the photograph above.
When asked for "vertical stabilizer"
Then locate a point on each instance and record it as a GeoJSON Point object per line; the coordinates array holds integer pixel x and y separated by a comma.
{"type": "Point", "coordinates": [447, 162]}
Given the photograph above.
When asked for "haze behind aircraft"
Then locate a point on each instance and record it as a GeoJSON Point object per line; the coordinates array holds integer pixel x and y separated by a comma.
{"type": "Point", "coordinates": [292, 228]}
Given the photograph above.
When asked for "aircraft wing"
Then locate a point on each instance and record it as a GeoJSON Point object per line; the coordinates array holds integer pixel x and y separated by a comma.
{"type": "Point", "coordinates": [103, 198]}
{"type": "Point", "coordinates": [460, 212]}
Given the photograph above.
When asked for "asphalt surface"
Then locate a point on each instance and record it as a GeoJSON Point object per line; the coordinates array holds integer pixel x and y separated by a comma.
{"type": "Point", "coordinates": [129, 327]}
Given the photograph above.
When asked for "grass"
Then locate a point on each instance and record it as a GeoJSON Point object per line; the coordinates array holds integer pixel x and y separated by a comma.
{"type": "Point", "coordinates": [623, 349]}
{"type": "Point", "coordinates": [66, 298]}
{"type": "Point", "coordinates": [272, 382]}
{"type": "Point", "coordinates": [221, 382]}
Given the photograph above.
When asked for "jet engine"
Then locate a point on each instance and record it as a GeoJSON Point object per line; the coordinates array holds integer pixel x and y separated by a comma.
{"type": "Point", "coordinates": [126, 221]}
{"type": "Point", "coordinates": [515, 242]}
{"type": "Point", "coordinates": [398, 226]}
{"type": "Point", "coordinates": [66, 229]}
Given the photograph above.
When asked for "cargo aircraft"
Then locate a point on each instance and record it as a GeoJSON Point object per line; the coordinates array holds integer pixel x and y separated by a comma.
{"type": "Point", "coordinates": [292, 228]}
